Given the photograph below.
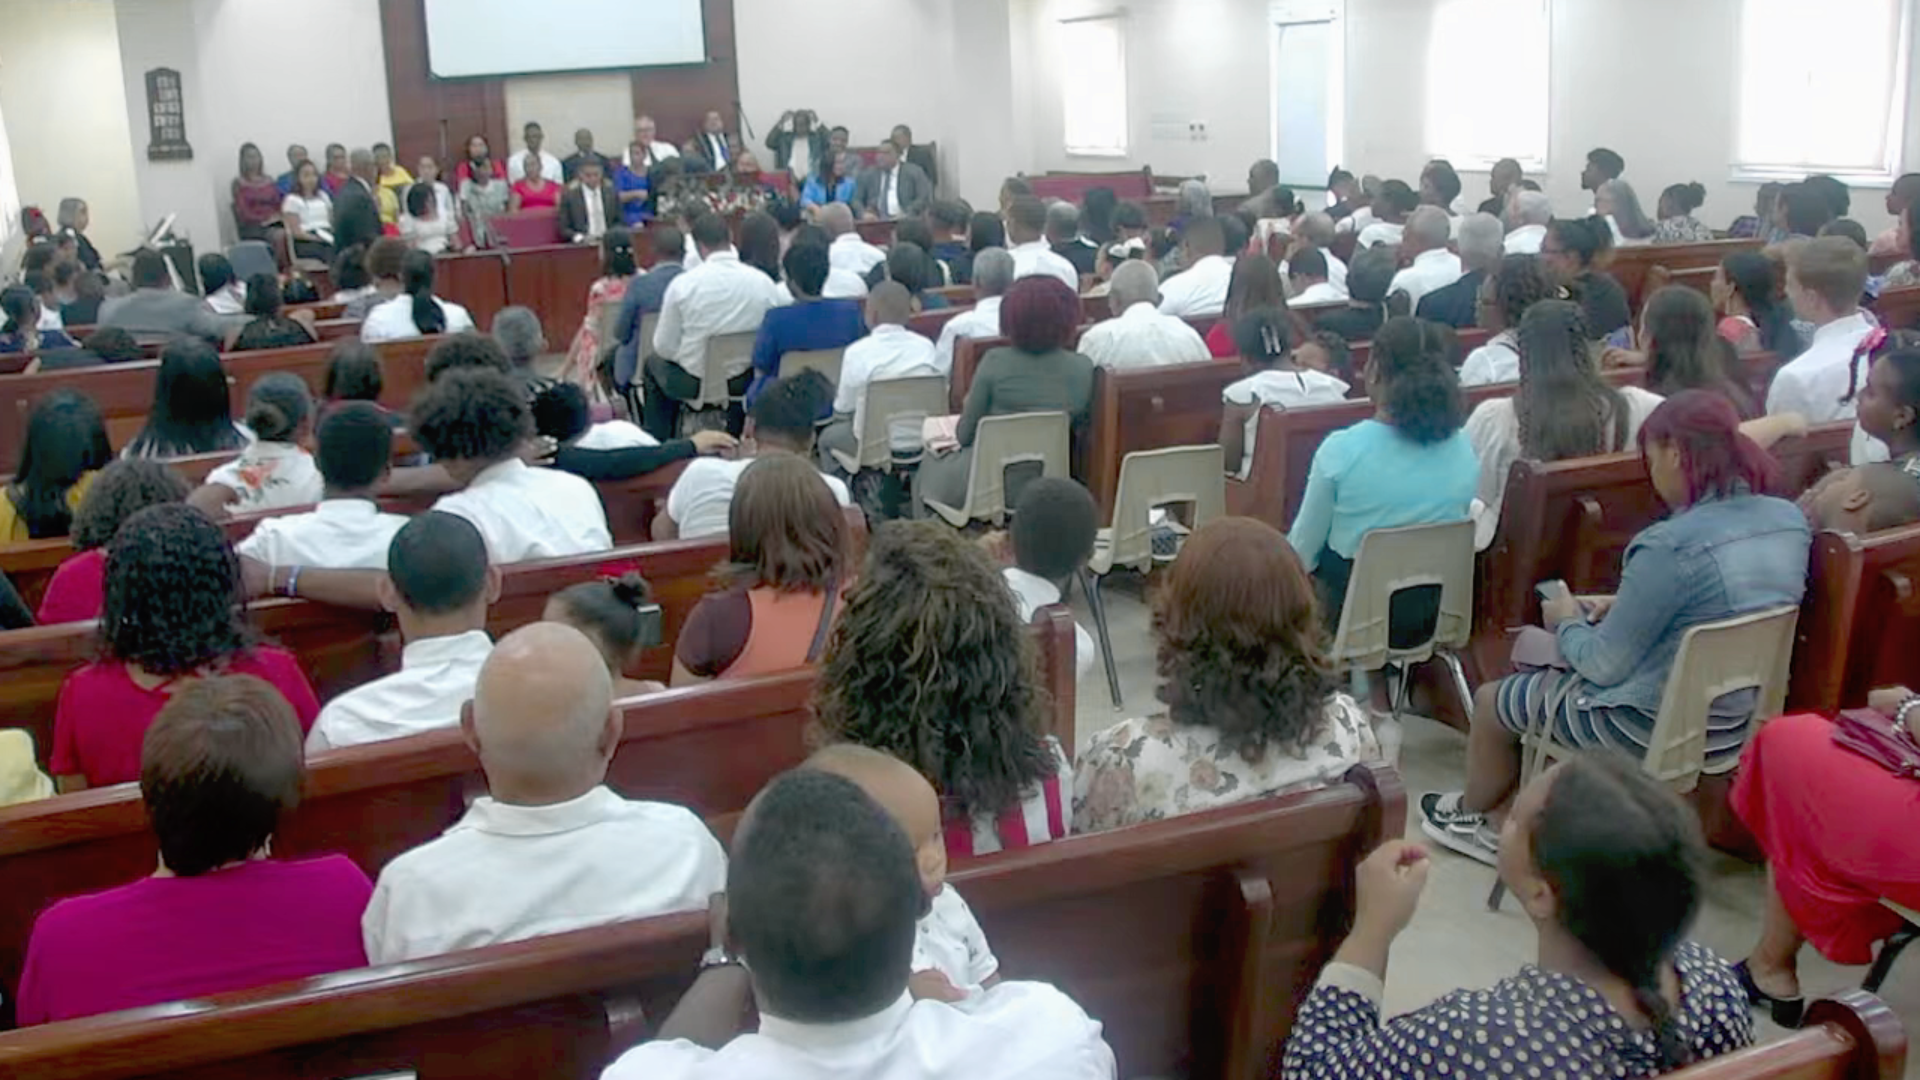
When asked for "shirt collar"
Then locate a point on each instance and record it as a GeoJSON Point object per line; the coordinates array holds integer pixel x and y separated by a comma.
{"type": "Point", "coordinates": [272, 451]}
{"type": "Point", "coordinates": [499, 472]}
{"type": "Point", "coordinates": [888, 330]}
{"type": "Point", "coordinates": [490, 815]}
{"type": "Point", "coordinates": [1856, 323]}
{"type": "Point", "coordinates": [844, 1034]}
{"type": "Point", "coordinates": [1031, 245]}
{"type": "Point", "coordinates": [725, 255]}
{"type": "Point", "coordinates": [472, 645]}
{"type": "Point", "coordinates": [347, 510]}
{"type": "Point", "coordinates": [1032, 585]}
{"type": "Point", "coordinates": [1140, 312]}
{"type": "Point", "coordinates": [1436, 255]}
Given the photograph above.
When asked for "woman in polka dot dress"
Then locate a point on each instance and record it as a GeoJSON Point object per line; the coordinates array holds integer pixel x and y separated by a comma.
{"type": "Point", "coordinates": [1606, 863]}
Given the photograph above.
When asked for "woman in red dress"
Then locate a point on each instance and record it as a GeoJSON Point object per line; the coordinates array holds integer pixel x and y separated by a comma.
{"type": "Point", "coordinates": [533, 191]}
{"type": "Point", "coordinates": [1838, 832]}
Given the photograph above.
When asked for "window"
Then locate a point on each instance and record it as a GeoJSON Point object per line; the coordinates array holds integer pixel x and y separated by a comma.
{"type": "Point", "coordinates": [1821, 95]}
{"type": "Point", "coordinates": [1479, 112]}
{"type": "Point", "coordinates": [1092, 61]}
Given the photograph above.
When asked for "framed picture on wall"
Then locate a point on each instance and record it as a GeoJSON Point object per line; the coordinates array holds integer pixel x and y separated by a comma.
{"type": "Point", "coordinates": [166, 117]}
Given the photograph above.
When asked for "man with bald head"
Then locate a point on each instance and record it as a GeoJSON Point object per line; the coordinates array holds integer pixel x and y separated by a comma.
{"type": "Point", "coordinates": [550, 848]}
{"type": "Point", "coordinates": [848, 251]}
{"type": "Point", "coordinates": [1424, 241]}
{"type": "Point", "coordinates": [356, 209]}
{"type": "Point", "coordinates": [992, 277]}
{"type": "Point", "coordinates": [889, 351]}
{"type": "Point", "coordinates": [1864, 499]}
{"type": "Point", "coordinates": [1138, 335]}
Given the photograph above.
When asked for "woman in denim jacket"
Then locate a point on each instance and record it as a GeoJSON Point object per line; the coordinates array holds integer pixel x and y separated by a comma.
{"type": "Point", "coordinates": [1726, 550]}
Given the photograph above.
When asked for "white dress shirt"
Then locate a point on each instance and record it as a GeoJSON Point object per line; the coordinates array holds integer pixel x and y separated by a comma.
{"type": "Point", "coordinates": [432, 235]}
{"type": "Point", "coordinates": [661, 151]}
{"type": "Point", "coordinates": [1435, 269]}
{"type": "Point", "coordinates": [842, 284]}
{"type": "Point", "coordinates": [1356, 221]}
{"type": "Point", "coordinates": [392, 320]}
{"type": "Point", "coordinates": [436, 677]}
{"type": "Point", "coordinates": [614, 435]}
{"type": "Point", "coordinates": [890, 193]}
{"type": "Point", "coordinates": [228, 299]}
{"type": "Point", "coordinates": [270, 476]}
{"type": "Point", "coordinates": [1336, 271]}
{"type": "Point", "coordinates": [851, 253]}
{"type": "Point", "coordinates": [315, 215]}
{"type": "Point", "coordinates": [889, 352]}
{"type": "Point", "coordinates": [800, 158]}
{"type": "Point", "coordinates": [529, 513]}
{"type": "Point", "coordinates": [1015, 1031]}
{"type": "Point", "coordinates": [507, 872]}
{"type": "Point", "coordinates": [337, 534]}
{"type": "Point", "coordinates": [950, 941]}
{"type": "Point", "coordinates": [1292, 389]}
{"type": "Point", "coordinates": [1494, 430]}
{"type": "Point", "coordinates": [1813, 383]}
{"type": "Point", "coordinates": [982, 322]}
{"type": "Point", "coordinates": [550, 168]}
{"type": "Point", "coordinates": [1381, 232]}
{"type": "Point", "coordinates": [1201, 289]}
{"type": "Point", "coordinates": [1320, 292]}
{"type": "Point", "coordinates": [596, 214]}
{"type": "Point", "coordinates": [1142, 337]}
{"type": "Point", "coordinates": [1526, 240]}
{"type": "Point", "coordinates": [1498, 361]}
{"type": "Point", "coordinates": [1031, 592]}
{"type": "Point", "coordinates": [1037, 258]}
{"type": "Point", "coordinates": [720, 296]}
{"type": "Point", "coordinates": [702, 497]}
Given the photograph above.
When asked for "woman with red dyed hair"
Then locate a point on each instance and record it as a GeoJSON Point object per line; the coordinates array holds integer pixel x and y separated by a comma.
{"type": "Point", "coordinates": [1037, 373]}
{"type": "Point", "coordinates": [1727, 548]}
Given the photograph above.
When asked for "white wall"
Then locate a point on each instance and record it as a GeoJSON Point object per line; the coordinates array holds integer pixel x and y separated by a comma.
{"type": "Point", "coordinates": [60, 85]}
{"type": "Point", "coordinates": [160, 33]}
{"type": "Point", "coordinates": [867, 64]}
{"type": "Point", "coordinates": [600, 101]}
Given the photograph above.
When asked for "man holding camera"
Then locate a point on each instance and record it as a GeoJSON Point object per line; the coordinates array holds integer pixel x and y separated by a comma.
{"type": "Point", "coordinates": [799, 143]}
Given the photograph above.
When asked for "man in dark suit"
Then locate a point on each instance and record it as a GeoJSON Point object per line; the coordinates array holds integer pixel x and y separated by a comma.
{"type": "Point", "coordinates": [921, 156]}
{"type": "Point", "coordinates": [710, 145]}
{"type": "Point", "coordinates": [583, 152]}
{"type": "Point", "coordinates": [1482, 243]}
{"type": "Point", "coordinates": [589, 206]}
{"type": "Point", "coordinates": [356, 211]}
{"type": "Point", "coordinates": [892, 188]}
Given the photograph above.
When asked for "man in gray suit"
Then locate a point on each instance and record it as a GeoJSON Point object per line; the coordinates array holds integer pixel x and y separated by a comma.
{"type": "Point", "coordinates": [893, 188]}
{"type": "Point", "coordinates": [155, 310]}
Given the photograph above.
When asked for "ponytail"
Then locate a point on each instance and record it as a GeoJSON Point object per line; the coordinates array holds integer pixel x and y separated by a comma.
{"type": "Point", "coordinates": [18, 302]}
{"type": "Point", "coordinates": [416, 278]}
{"type": "Point", "coordinates": [1673, 1048]}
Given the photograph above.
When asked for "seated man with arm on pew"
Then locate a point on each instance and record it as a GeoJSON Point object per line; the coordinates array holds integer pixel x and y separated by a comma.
{"type": "Point", "coordinates": [551, 848]}
{"type": "Point", "coordinates": [439, 585]}
{"type": "Point", "coordinates": [1138, 335]}
{"type": "Point", "coordinates": [992, 277]}
{"type": "Point", "coordinates": [818, 930]}
{"type": "Point", "coordinates": [347, 529]}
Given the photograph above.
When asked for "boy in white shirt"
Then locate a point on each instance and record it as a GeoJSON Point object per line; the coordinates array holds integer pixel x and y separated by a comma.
{"type": "Point", "coordinates": [890, 351]}
{"type": "Point", "coordinates": [1052, 537]}
{"type": "Point", "coordinates": [1825, 278]}
{"type": "Point", "coordinates": [1274, 378]}
{"type": "Point", "coordinates": [438, 585]}
{"type": "Point", "coordinates": [782, 421]}
{"type": "Point", "coordinates": [549, 848]}
{"type": "Point", "coordinates": [347, 530]}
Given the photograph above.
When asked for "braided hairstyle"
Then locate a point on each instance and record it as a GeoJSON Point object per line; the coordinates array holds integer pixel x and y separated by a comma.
{"type": "Point", "coordinates": [1565, 408]}
{"type": "Point", "coordinates": [1879, 342]}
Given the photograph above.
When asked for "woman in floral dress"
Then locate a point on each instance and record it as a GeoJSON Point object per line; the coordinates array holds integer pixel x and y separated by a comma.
{"type": "Point", "coordinates": [603, 301]}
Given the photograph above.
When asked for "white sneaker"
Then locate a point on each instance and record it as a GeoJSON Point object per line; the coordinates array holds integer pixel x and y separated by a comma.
{"type": "Point", "coordinates": [1458, 829]}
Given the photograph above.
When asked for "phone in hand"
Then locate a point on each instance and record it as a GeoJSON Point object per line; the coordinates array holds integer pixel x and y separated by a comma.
{"type": "Point", "coordinates": [1551, 591]}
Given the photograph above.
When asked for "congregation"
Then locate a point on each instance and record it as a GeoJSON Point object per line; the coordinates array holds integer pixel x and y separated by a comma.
{"type": "Point", "coordinates": [822, 403]}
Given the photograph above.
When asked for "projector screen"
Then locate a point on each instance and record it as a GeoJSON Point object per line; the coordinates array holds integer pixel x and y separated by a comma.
{"type": "Point", "coordinates": [514, 37]}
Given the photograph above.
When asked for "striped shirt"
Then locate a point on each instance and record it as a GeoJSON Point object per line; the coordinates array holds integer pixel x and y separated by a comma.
{"type": "Point", "coordinates": [1042, 816]}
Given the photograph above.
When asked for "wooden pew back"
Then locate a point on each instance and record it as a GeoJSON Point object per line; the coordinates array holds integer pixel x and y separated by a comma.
{"type": "Point", "coordinates": [1860, 623]}
{"type": "Point", "coordinates": [1150, 409]}
{"type": "Point", "coordinates": [1899, 309]}
{"type": "Point", "coordinates": [1630, 265]}
{"type": "Point", "coordinates": [1850, 1036]}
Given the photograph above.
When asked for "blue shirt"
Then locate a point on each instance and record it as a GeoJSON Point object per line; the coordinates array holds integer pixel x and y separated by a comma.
{"type": "Point", "coordinates": [625, 180]}
{"type": "Point", "coordinates": [1370, 476]}
{"type": "Point", "coordinates": [646, 295]}
{"type": "Point", "coordinates": [803, 325]}
{"type": "Point", "coordinates": [814, 193]}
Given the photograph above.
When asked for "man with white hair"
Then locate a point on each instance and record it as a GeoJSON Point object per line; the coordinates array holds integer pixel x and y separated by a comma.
{"type": "Point", "coordinates": [1528, 213]}
{"type": "Point", "coordinates": [1433, 266]}
{"type": "Point", "coordinates": [1317, 231]}
{"type": "Point", "coordinates": [1479, 239]}
{"type": "Point", "coordinates": [550, 848]}
{"type": "Point", "coordinates": [1138, 336]}
{"type": "Point", "coordinates": [849, 250]}
{"type": "Point", "coordinates": [992, 277]}
{"type": "Point", "coordinates": [1063, 235]}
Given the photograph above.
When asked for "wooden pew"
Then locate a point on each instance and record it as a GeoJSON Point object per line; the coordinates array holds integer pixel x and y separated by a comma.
{"type": "Point", "coordinates": [554, 282]}
{"type": "Point", "coordinates": [1228, 916]}
{"type": "Point", "coordinates": [1630, 265]}
{"type": "Point", "coordinates": [1899, 309]}
{"type": "Point", "coordinates": [1849, 1036]}
{"type": "Point", "coordinates": [1150, 409]}
{"type": "Point", "coordinates": [1073, 186]}
{"type": "Point", "coordinates": [709, 748]}
{"type": "Point", "coordinates": [1860, 624]}
{"type": "Point", "coordinates": [929, 324]}
{"type": "Point", "coordinates": [968, 352]}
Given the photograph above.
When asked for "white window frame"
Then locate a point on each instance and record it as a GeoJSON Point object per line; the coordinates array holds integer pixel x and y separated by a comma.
{"type": "Point", "coordinates": [1117, 17]}
{"type": "Point", "coordinates": [1282, 13]}
{"type": "Point", "coordinates": [1884, 173]}
{"type": "Point", "coordinates": [1534, 159]}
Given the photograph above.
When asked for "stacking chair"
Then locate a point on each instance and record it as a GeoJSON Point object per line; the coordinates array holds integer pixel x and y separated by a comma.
{"type": "Point", "coordinates": [1000, 442]}
{"type": "Point", "coordinates": [1392, 560]}
{"type": "Point", "coordinates": [890, 401]}
{"type": "Point", "coordinates": [1746, 652]}
{"type": "Point", "coordinates": [1151, 480]}
{"type": "Point", "coordinates": [722, 349]}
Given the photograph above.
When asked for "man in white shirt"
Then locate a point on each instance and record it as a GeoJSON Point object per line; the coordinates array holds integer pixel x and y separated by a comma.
{"type": "Point", "coordinates": [889, 351]}
{"type": "Point", "coordinates": [992, 277]}
{"type": "Point", "coordinates": [1026, 231]}
{"type": "Point", "coordinates": [1307, 277]}
{"type": "Point", "coordinates": [1528, 213]}
{"type": "Point", "coordinates": [474, 422]}
{"type": "Point", "coordinates": [823, 902]}
{"type": "Point", "coordinates": [1139, 336]}
{"type": "Point", "coordinates": [1052, 537]}
{"type": "Point", "coordinates": [1433, 266]}
{"type": "Point", "coordinates": [346, 530]}
{"type": "Point", "coordinates": [1200, 289]}
{"type": "Point", "coordinates": [781, 421]}
{"type": "Point", "coordinates": [1317, 231]}
{"type": "Point", "coordinates": [438, 585]}
{"type": "Point", "coordinates": [549, 848]}
{"type": "Point", "coordinates": [517, 163]}
{"type": "Point", "coordinates": [848, 250]}
{"type": "Point", "coordinates": [1390, 208]}
{"type": "Point", "coordinates": [720, 296]}
{"type": "Point", "coordinates": [1825, 279]}
{"type": "Point", "coordinates": [646, 134]}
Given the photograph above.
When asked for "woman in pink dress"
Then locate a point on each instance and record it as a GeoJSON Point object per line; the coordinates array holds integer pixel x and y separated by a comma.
{"type": "Point", "coordinates": [534, 192]}
{"type": "Point", "coordinates": [603, 302]}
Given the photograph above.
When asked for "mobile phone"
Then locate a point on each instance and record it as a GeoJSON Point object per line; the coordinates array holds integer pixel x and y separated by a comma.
{"type": "Point", "coordinates": [652, 629]}
{"type": "Point", "coordinates": [1553, 590]}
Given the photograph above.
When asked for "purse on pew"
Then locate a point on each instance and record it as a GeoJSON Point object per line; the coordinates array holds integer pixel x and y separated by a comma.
{"type": "Point", "coordinates": [1880, 739]}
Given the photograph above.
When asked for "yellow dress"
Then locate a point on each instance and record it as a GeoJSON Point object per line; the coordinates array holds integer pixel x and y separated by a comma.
{"type": "Point", "coordinates": [13, 529]}
{"type": "Point", "coordinates": [388, 194]}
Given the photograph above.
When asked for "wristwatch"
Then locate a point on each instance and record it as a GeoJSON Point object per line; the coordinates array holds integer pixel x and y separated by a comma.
{"type": "Point", "coordinates": [717, 956]}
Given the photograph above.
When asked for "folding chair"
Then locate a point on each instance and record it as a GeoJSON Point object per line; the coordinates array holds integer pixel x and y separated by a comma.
{"type": "Point", "coordinates": [1000, 442]}
{"type": "Point", "coordinates": [1746, 652]}
{"type": "Point", "coordinates": [1393, 560]}
{"type": "Point", "coordinates": [909, 400]}
{"type": "Point", "coordinates": [723, 350]}
{"type": "Point", "coordinates": [1150, 480]}
{"type": "Point", "coordinates": [824, 361]}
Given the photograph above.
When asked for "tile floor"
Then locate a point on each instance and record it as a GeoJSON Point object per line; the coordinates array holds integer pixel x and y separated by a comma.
{"type": "Point", "coordinates": [1454, 941]}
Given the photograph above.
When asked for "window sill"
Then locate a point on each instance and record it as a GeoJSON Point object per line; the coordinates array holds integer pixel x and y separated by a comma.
{"type": "Point", "coordinates": [1793, 174]}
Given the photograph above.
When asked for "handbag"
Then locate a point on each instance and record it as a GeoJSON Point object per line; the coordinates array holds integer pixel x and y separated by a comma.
{"type": "Point", "coordinates": [1880, 739]}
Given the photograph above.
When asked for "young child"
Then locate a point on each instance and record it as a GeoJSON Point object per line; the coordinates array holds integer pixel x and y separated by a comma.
{"type": "Point", "coordinates": [1054, 526]}
{"type": "Point", "coordinates": [1264, 339]}
{"type": "Point", "coordinates": [274, 471]}
{"type": "Point", "coordinates": [951, 958]}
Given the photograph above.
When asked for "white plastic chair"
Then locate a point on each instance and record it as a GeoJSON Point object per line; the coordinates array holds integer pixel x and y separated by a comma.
{"type": "Point", "coordinates": [824, 361]}
{"type": "Point", "coordinates": [999, 442]}
{"type": "Point", "coordinates": [909, 400]}
{"type": "Point", "coordinates": [1746, 652]}
{"type": "Point", "coordinates": [1150, 480]}
{"type": "Point", "coordinates": [723, 350]}
{"type": "Point", "coordinates": [1389, 561]}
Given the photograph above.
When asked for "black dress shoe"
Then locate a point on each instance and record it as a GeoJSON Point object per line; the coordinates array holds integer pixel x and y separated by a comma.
{"type": "Point", "coordinates": [1786, 1012]}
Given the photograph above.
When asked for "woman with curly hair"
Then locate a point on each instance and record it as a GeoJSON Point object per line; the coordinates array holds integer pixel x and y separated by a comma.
{"type": "Point", "coordinates": [931, 663]}
{"type": "Point", "coordinates": [1253, 708]}
{"type": "Point", "coordinates": [172, 613]}
{"type": "Point", "coordinates": [122, 489]}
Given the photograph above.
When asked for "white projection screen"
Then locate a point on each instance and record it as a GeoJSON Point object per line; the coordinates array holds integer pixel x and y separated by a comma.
{"type": "Point", "coordinates": [511, 37]}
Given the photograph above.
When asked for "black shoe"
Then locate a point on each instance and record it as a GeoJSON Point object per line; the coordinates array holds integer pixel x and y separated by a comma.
{"type": "Point", "coordinates": [1786, 1012]}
